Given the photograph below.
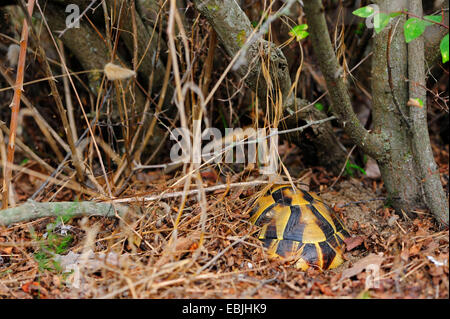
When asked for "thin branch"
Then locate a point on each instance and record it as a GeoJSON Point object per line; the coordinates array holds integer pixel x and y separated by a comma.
{"type": "Point", "coordinates": [187, 193]}
{"type": "Point", "coordinates": [71, 25]}
{"type": "Point", "coordinates": [425, 19]}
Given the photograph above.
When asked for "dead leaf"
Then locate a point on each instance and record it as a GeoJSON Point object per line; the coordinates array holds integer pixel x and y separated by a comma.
{"type": "Point", "coordinates": [7, 250]}
{"type": "Point", "coordinates": [193, 247]}
{"type": "Point", "coordinates": [116, 72]}
{"type": "Point", "coordinates": [339, 206]}
{"type": "Point", "coordinates": [415, 249]}
{"type": "Point", "coordinates": [431, 247]}
{"type": "Point", "coordinates": [372, 169]}
{"type": "Point", "coordinates": [237, 192]}
{"type": "Point", "coordinates": [414, 102]}
{"type": "Point", "coordinates": [3, 289]}
{"type": "Point", "coordinates": [35, 288]}
{"type": "Point", "coordinates": [436, 271]}
{"type": "Point", "coordinates": [392, 219]}
{"type": "Point", "coordinates": [360, 265]}
{"type": "Point", "coordinates": [182, 244]}
{"type": "Point", "coordinates": [26, 287]}
{"type": "Point", "coordinates": [404, 255]}
{"type": "Point", "coordinates": [210, 176]}
{"type": "Point", "coordinates": [324, 289]}
{"type": "Point", "coordinates": [335, 278]}
{"type": "Point", "coordinates": [353, 242]}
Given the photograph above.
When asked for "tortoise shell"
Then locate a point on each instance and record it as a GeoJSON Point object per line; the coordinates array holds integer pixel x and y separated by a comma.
{"type": "Point", "coordinates": [298, 225]}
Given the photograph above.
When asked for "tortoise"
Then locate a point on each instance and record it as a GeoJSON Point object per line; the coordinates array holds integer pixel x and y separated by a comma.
{"type": "Point", "coordinates": [298, 225]}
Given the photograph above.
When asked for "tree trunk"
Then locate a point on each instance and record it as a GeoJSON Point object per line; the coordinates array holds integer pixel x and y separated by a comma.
{"type": "Point", "coordinates": [398, 168]}
{"type": "Point", "coordinates": [423, 154]}
{"type": "Point", "coordinates": [404, 160]}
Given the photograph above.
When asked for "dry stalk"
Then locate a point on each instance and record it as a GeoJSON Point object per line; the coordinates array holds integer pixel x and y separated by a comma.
{"type": "Point", "coordinates": [56, 96]}
{"type": "Point", "coordinates": [73, 127]}
{"type": "Point", "coordinates": [50, 134]}
{"type": "Point", "coordinates": [79, 102]}
{"type": "Point", "coordinates": [187, 193]}
{"type": "Point", "coordinates": [15, 106]}
{"type": "Point", "coordinates": [26, 149]}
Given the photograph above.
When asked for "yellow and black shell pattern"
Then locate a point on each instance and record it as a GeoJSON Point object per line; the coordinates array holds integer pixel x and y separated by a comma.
{"type": "Point", "coordinates": [298, 225]}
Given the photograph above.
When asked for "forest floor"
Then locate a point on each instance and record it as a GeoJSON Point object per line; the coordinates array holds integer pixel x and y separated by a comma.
{"type": "Point", "coordinates": [217, 255]}
{"type": "Point", "coordinates": [388, 256]}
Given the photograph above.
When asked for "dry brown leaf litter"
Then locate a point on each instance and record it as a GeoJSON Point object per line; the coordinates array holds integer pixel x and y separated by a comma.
{"type": "Point", "coordinates": [136, 258]}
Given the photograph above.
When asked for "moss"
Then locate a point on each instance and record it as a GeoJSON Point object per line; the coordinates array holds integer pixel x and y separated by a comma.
{"type": "Point", "coordinates": [241, 37]}
{"type": "Point", "coordinates": [213, 7]}
{"type": "Point", "coordinates": [408, 156]}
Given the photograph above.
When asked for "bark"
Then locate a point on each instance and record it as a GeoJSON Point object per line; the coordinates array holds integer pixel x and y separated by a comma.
{"type": "Point", "coordinates": [391, 146]}
{"type": "Point", "coordinates": [84, 43]}
{"type": "Point", "coordinates": [147, 43]}
{"type": "Point", "coordinates": [148, 10]}
{"type": "Point", "coordinates": [33, 210]}
{"type": "Point", "coordinates": [398, 170]}
{"type": "Point", "coordinates": [423, 154]}
{"type": "Point", "coordinates": [233, 29]}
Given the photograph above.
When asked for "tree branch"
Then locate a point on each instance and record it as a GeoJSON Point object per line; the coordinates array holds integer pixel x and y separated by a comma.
{"type": "Point", "coordinates": [33, 210]}
{"type": "Point", "coordinates": [333, 73]}
{"type": "Point", "coordinates": [234, 31]}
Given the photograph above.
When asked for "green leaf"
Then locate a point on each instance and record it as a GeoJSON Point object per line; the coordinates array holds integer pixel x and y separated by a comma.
{"type": "Point", "coordinates": [364, 12]}
{"type": "Point", "coordinates": [350, 168]}
{"type": "Point", "coordinates": [24, 161]}
{"type": "Point", "coordinates": [301, 27]}
{"type": "Point", "coordinates": [436, 19]}
{"type": "Point", "coordinates": [365, 158]}
{"type": "Point", "coordinates": [444, 49]}
{"type": "Point", "coordinates": [360, 29]}
{"type": "Point", "coordinates": [319, 106]}
{"type": "Point", "coordinates": [413, 29]}
{"type": "Point", "coordinates": [380, 21]}
{"type": "Point", "coordinates": [299, 32]}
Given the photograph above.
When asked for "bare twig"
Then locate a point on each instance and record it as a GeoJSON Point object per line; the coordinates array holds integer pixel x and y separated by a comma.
{"type": "Point", "coordinates": [187, 193]}
{"type": "Point", "coordinates": [77, 19]}
{"type": "Point", "coordinates": [26, 149]}
{"type": "Point", "coordinates": [343, 167]}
